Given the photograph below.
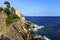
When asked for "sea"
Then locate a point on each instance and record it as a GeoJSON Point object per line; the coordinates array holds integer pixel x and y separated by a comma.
{"type": "Point", "coordinates": [51, 26]}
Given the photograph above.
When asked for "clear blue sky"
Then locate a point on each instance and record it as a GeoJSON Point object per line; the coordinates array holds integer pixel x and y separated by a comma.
{"type": "Point", "coordinates": [36, 7]}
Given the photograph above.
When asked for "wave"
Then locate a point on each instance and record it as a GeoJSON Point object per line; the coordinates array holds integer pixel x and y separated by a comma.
{"type": "Point", "coordinates": [39, 36]}
{"type": "Point", "coordinates": [46, 38]}
{"type": "Point", "coordinates": [37, 27]}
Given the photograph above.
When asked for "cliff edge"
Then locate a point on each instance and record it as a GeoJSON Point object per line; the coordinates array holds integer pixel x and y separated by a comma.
{"type": "Point", "coordinates": [15, 31]}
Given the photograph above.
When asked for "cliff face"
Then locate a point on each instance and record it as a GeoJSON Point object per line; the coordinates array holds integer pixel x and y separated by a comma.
{"type": "Point", "coordinates": [15, 31]}
{"type": "Point", "coordinates": [19, 30]}
{"type": "Point", "coordinates": [2, 23]}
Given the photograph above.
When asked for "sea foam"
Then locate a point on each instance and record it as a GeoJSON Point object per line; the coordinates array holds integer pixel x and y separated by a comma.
{"type": "Point", "coordinates": [46, 38]}
{"type": "Point", "coordinates": [37, 27]}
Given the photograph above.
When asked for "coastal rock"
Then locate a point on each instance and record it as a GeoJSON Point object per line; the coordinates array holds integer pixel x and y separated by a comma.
{"type": "Point", "coordinates": [15, 31]}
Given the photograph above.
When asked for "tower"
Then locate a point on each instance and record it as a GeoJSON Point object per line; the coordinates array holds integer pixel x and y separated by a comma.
{"type": "Point", "coordinates": [18, 13]}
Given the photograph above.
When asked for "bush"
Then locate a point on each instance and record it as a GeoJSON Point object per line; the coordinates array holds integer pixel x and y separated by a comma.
{"type": "Point", "coordinates": [1, 9]}
{"type": "Point", "coordinates": [7, 11]}
{"type": "Point", "coordinates": [11, 18]}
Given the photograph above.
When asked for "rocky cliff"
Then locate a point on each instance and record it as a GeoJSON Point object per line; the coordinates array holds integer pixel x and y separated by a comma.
{"type": "Point", "coordinates": [15, 31]}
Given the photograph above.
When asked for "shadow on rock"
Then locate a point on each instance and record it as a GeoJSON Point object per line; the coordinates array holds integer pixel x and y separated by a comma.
{"type": "Point", "coordinates": [2, 37]}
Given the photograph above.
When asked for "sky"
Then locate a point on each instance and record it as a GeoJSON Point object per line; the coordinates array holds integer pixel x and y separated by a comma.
{"type": "Point", "coordinates": [36, 7]}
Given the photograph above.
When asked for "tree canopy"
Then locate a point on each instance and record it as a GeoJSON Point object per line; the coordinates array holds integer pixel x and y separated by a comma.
{"type": "Point", "coordinates": [10, 11]}
{"type": "Point", "coordinates": [7, 3]}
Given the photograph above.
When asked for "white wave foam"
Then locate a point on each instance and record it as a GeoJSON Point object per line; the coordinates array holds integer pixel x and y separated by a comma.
{"type": "Point", "coordinates": [46, 38]}
{"type": "Point", "coordinates": [43, 37]}
{"type": "Point", "coordinates": [39, 36]}
{"type": "Point", "coordinates": [37, 27]}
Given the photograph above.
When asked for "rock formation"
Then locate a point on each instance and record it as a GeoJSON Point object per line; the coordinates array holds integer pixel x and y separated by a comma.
{"type": "Point", "coordinates": [13, 27]}
{"type": "Point", "coordinates": [15, 31]}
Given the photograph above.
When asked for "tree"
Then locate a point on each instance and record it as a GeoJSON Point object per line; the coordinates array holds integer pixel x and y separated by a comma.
{"type": "Point", "coordinates": [7, 4]}
{"type": "Point", "coordinates": [13, 10]}
{"type": "Point", "coordinates": [7, 11]}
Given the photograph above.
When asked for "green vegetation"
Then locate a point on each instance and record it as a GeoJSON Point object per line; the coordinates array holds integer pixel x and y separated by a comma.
{"type": "Point", "coordinates": [1, 9]}
{"type": "Point", "coordinates": [7, 4]}
{"type": "Point", "coordinates": [13, 9]}
{"type": "Point", "coordinates": [11, 16]}
{"type": "Point", "coordinates": [7, 11]}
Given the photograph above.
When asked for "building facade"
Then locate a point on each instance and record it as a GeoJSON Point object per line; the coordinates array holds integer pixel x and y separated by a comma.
{"type": "Point", "coordinates": [18, 12]}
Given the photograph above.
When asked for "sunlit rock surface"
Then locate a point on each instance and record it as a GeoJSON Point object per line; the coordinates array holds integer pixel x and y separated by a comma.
{"type": "Point", "coordinates": [15, 31]}
{"type": "Point", "coordinates": [20, 30]}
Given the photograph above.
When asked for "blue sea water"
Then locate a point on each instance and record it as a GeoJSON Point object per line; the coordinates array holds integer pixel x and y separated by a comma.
{"type": "Point", "coordinates": [51, 23]}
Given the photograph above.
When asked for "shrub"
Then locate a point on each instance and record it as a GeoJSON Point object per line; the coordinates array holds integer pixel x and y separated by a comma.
{"type": "Point", "coordinates": [7, 11]}
{"type": "Point", "coordinates": [1, 9]}
{"type": "Point", "coordinates": [11, 18]}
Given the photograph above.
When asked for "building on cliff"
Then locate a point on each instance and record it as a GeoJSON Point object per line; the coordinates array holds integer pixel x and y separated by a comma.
{"type": "Point", "coordinates": [18, 13]}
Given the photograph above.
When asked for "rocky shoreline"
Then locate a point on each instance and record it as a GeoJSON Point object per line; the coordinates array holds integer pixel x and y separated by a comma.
{"type": "Point", "coordinates": [17, 30]}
